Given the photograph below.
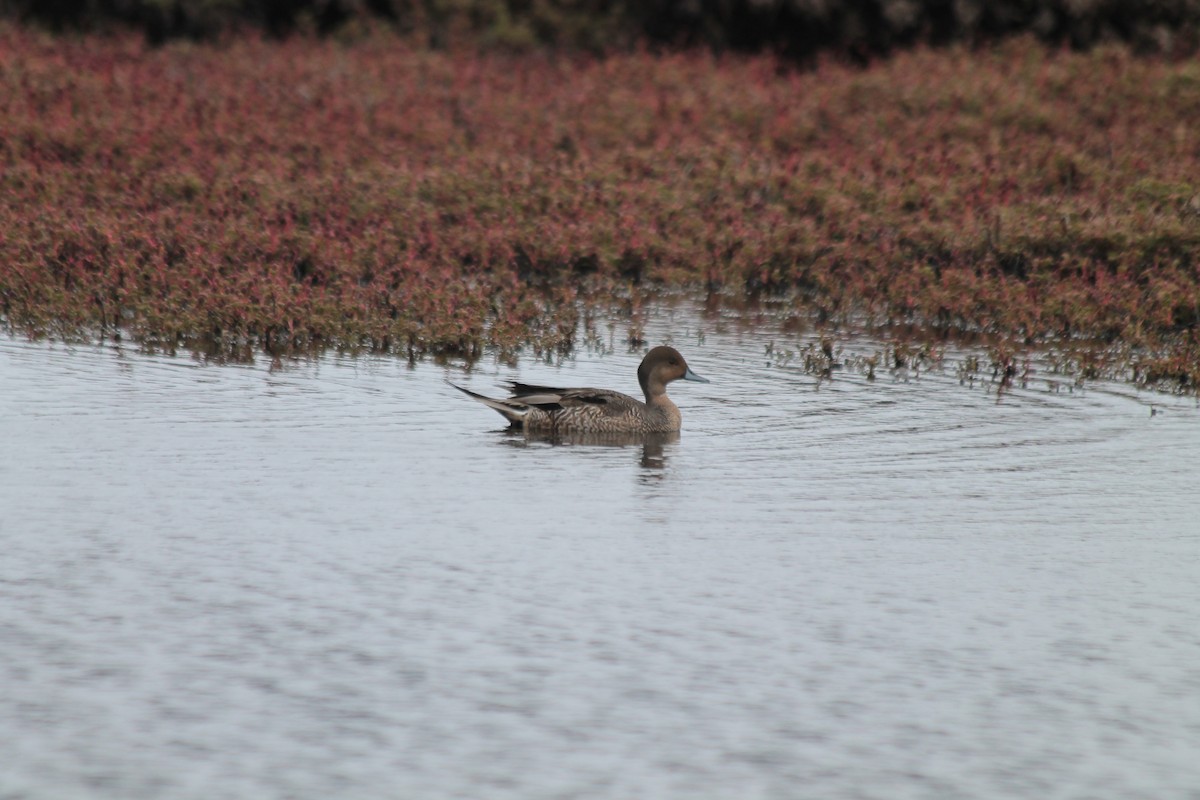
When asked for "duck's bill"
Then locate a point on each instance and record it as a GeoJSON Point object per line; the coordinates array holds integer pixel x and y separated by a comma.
{"type": "Point", "coordinates": [691, 376]}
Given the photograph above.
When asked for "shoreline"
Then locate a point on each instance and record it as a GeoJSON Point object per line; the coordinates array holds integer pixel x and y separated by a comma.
{"type": "Point", "coordinates": [306, 194]}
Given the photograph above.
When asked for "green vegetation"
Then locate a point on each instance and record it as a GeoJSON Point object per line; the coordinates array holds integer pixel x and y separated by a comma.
{"type": "Point", "coordinates": [311, 193]}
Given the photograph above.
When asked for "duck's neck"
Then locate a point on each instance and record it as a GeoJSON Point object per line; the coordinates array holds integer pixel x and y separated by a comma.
{"type": "Point", "coordinates": [653, 389]}
{"type": "Point", "coordinates": [661, 406]}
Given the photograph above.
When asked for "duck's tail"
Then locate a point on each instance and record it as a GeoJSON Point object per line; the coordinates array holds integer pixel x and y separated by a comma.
{"type": "Point", "coordinates": [512, 411]}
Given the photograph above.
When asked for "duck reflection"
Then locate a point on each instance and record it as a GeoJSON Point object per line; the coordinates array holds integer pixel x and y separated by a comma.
{"type": "Point", "coordinates": [653, 445]}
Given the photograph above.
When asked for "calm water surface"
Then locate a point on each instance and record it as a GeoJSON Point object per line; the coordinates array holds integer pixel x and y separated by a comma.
{"type": "Point", "coordinates": [339, 579]}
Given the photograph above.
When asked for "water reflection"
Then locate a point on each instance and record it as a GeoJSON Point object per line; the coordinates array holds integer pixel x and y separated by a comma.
{"type": "Point", "coordinates": [652, 446]}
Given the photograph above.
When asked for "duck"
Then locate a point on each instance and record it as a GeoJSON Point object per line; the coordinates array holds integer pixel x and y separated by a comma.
{"type": "Point", "coordinates": [552, 410]}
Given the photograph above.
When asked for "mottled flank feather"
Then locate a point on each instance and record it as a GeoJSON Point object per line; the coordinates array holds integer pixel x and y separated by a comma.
{"type": "Point", "coordinates": [549, 409]}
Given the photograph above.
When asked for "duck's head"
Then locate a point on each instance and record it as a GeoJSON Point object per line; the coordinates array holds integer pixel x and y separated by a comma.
{"type": "Point", "coordinates": [661, 366]}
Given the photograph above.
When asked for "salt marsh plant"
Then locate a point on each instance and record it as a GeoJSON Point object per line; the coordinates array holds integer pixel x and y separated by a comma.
{"type": "Point", "coordinates": [308, 193]}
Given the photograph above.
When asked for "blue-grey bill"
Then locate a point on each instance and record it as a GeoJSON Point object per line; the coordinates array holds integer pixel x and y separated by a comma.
{"type": "Point", "coordinates": [691, 376]}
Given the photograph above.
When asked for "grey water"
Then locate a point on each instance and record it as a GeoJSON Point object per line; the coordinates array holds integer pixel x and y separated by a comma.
{"type": "Point", "coordinates": [341, 578]}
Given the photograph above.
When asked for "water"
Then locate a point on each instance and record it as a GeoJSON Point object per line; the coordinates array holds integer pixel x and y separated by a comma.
{"type": "Point", "coordinates": [339, 579]}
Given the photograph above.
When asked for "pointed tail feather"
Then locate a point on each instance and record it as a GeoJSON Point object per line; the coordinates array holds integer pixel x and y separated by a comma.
{"type": "Point", "coordinates": [513, 412]}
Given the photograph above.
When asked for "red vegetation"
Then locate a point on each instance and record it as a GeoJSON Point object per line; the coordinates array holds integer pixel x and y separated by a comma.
{"type": "Point", "coordinates": [372, 195]}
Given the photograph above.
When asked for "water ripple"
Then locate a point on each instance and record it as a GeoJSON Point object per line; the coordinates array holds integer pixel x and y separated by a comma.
{"type": "Point", "coordinates": [341, 579]}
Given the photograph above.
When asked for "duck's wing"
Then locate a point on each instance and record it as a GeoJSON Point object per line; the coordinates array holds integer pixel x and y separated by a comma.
{"type": "Point", "coordinates": [547, 398]}
{"type": "Point", "coordinates": [552, 398]}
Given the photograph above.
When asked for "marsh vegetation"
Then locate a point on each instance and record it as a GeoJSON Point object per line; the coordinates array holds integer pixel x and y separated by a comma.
{"type": "Point", "coordinates": [372, 195]}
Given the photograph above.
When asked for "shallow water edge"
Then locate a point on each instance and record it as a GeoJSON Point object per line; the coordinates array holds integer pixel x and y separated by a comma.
{"type": "Point", "coordinates": [807, 338]}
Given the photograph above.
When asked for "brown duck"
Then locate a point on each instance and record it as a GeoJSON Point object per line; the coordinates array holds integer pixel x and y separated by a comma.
{"type": "Point", "coordinates": [545, 409]}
